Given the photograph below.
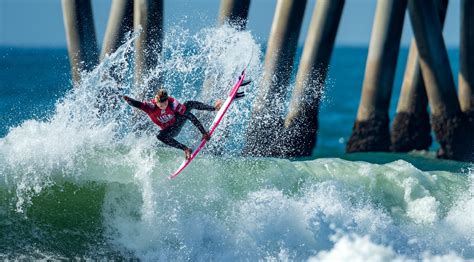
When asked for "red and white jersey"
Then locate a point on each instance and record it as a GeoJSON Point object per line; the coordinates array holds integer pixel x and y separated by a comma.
{"type": "Point", "coordinates": [166, 117]}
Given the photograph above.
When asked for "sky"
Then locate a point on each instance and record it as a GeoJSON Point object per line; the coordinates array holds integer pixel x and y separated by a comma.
{"type": "Point", "coordinates": [39, 23]}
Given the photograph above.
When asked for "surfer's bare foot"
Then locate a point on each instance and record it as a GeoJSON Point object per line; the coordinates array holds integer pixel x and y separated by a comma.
{"type": "Point", "coordinates": [218, 104]}
{"type": "Point", "coordinates": [187, 153]}
{"type": "Point", "coordinates": [206, 136]}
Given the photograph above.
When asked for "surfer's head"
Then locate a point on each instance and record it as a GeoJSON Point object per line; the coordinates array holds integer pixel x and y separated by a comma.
{"type": "Point", "coordinates": [161, 99]}
{"type": "Point", "coordinates": [161, 95]}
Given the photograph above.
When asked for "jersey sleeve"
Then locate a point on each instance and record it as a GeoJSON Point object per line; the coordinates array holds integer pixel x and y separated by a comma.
{"type": "Point", "coordinates": [134, 103]}
{"type": "Point", "coordinates": [177, 107]}
{"type": "Point", "coordinates": [147, 106]}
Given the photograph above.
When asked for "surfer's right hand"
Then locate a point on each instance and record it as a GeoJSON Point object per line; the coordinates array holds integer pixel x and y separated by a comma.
{"type": "Point", "coordinates": [206, 136]}
{"type": "Point", "coordinates": [127, 99]}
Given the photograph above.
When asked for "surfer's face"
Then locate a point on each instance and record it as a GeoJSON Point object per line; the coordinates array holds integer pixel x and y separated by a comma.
{"type": "Point", "coordinates": [162, 105]}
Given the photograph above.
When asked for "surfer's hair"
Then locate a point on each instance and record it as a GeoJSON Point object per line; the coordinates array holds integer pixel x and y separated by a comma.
{"type": "Point", "coordinates": [161, 95]}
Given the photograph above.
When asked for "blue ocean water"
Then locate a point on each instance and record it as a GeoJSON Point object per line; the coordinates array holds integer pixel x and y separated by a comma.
{"type": "Point", "coordinates": [78, 185]}
{"type": "Point", "coordinates": [32, 80]}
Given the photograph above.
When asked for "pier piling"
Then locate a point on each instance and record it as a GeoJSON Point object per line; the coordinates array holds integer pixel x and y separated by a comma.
{"type": "Point", "coordinates": [148, 16]}
{"type": "Point", "coordinates": [466, 72]}
{"type": "Point", "coordinates": [301, 123]}
{"type": "Point", "coordinates": [120, 22]}
{"type": "Point", "coordinates": [466, 58]}
{"type": "Point", "coordinates": [81, 38]}
{"type": "Point", "coordinates": [234, 12]}
{"type": "Point", "coordinates": [264, 133]}
{"type": "Point", "coordinates": [411, 129]}
{"type": "Point", "coordinates": [371, 128]}
{"type": "Point", "coordinates": [450, 125]}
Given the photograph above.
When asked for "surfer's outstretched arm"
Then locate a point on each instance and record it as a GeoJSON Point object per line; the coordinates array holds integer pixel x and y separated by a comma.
{"type": "Point", "coordinates": [198, 106]}
{"type": "Point", "coordinates": [132, 102]}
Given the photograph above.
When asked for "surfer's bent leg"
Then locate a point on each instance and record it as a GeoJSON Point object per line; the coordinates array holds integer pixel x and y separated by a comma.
{"type": "Point", "coordinates": [166, 137]}
{"type": "Point", "coordinates": [198, 106]}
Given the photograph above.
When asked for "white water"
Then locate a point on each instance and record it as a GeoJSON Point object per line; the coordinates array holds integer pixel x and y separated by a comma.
{"type": "Point", "coordinates": [270, 209]}
{"type": "Point", "coordinates": [231, 207]}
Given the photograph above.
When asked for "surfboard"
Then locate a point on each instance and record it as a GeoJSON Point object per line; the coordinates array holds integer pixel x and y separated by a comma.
{"type": "Point", "coordinates": [217, 119]}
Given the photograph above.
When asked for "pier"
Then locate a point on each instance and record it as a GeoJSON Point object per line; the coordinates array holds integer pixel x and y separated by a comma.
{"type": "Point", "coordinates": [429, 100]}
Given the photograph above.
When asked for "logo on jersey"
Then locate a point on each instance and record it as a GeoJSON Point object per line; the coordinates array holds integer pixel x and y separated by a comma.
{"type": "Point", "coordinates": [165, 118]}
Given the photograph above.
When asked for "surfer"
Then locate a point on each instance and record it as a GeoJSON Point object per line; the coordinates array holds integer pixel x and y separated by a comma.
{"type": "Point", "coordinates": [170, 115]}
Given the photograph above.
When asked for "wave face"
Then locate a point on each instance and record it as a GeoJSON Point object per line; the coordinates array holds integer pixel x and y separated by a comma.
{"type": "Point", "coordinates": [83, 184]}
{"type": "Point", "coordinates": [122, 205]}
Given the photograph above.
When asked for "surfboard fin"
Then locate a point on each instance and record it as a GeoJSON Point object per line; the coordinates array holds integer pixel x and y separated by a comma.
{"type": "Point", "coordinates": [239, 95]}
{"type": "Point", "coordinates": [246, 82]}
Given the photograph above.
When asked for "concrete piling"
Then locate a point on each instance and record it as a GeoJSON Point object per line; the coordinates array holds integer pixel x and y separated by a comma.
{"type": "Point", "coordinates": [266, 124]}
{"type": "Point", "coordinates": [234, 12]}
{"type": "Point", "coordinates": [120, 22]}
{"type": "Point", "coordinates": [448, 122]}
{"type": "Point", "coordinates": [466, 72]}
{"type": "Point", "coordinates": [301, 123]}
{"type": "Point", "coordinates": [81, 38]}
{"type": "Point", "coordinates": [411, 129]}
{"type": "Point", "coordinates": [371, 128]}
{"type": "Point", "coordinates": [148, 16]}
{"type": "Point", "coordinates": [466, 58]}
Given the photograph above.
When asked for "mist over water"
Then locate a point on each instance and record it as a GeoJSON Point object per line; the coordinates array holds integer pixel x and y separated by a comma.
{"type": "Point", "coordinates": [83, 184]}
